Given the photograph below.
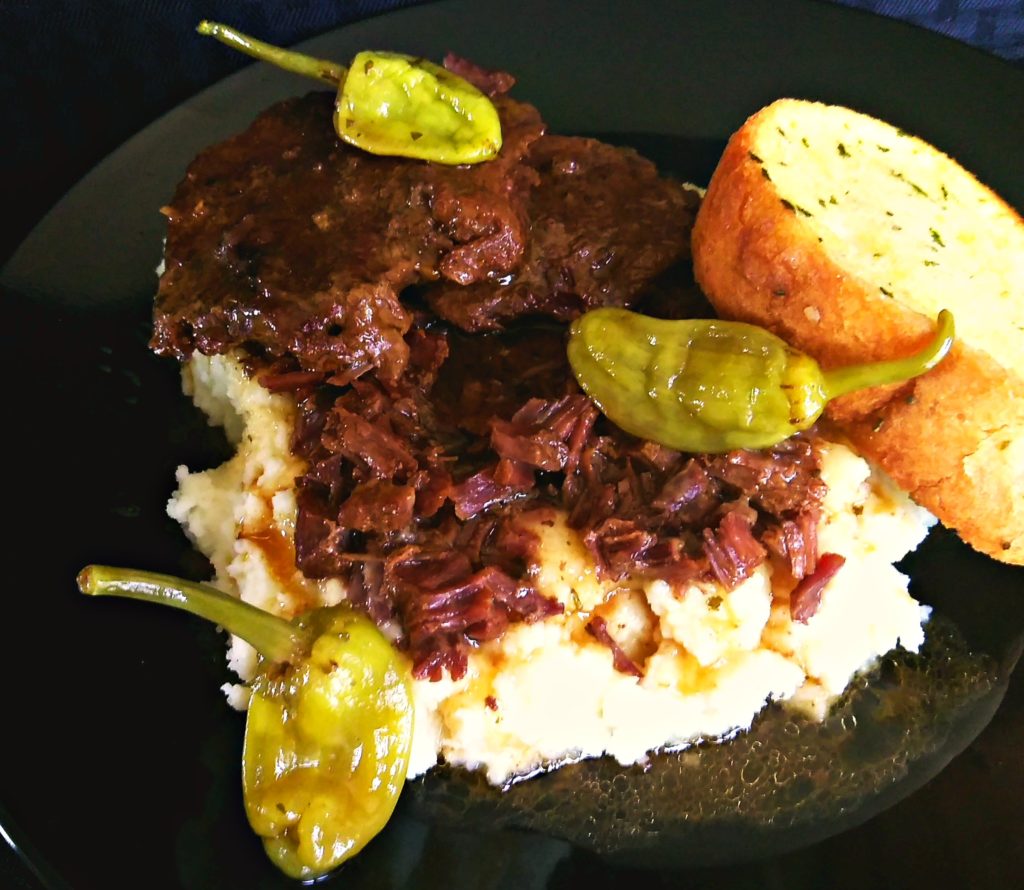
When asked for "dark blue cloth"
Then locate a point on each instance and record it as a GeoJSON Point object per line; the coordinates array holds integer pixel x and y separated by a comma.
{"type": "Point", "coordinates": [993, 25]}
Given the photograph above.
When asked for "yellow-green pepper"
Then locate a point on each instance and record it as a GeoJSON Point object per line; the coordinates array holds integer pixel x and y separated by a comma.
{"type": "Point", "coordinates": [713, 386]}
{"type": "Point", "coordinates": [392, 104]}
{"type": "Point", "coordinates": [329, 727]}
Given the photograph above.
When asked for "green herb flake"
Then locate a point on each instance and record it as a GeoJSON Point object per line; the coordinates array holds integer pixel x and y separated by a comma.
{"type": "Point", "coordinates": [843, 153]}
{"type": "Point", "coordinates": [930, 263]}
{"type": "Point", "coordinates": [917, 188]}
{"type": "Point", "coordinates": [807, 144]}
{"type": "Point", "coordinates": [937, 238]}
{"type": "Point", "coordinates": [764, 173]}
{"type": "Point", "coordinates": [821, 202]}
{"type": "Point", "coordinates": [803, 212]}
{"type": "Point", "coordinates": [885, 291]}
{"type": "Point", "coordinates": [889, 213]}
{"type": "Point", "coordinates": [788, 205]}
{"type": "Point", "coordinates": [945, 194]}
{"type": "Point", "coordinates": [755, 158]}
{"type": "Point", "coordinates": [782, 132]}
{"type": "Point", "coordinates": [884, 148]}
{"type": "Point", "coordinates": [832, 199]}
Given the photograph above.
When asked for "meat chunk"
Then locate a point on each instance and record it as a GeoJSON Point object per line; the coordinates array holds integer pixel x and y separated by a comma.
{"type": "Point", "coordinates": [436, 438]}
{"type": "Point", "coordinates": [493, 83]}
{"type": "Point", "coordinates": [419, 494]}
{"type": "Point", "coordinates": [603, 226]}
{"type": "Point", "coordinates": [287, 239]}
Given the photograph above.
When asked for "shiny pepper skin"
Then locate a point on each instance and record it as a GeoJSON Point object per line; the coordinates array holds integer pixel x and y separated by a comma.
{"type": "Point", "coordinates": [391, 104]}
{"type": "Point", "coordinates": [329, 728]}
{"type": "Point", "coordinates": [711, 386]}
{"type": "Point", "coordinates": [327, 744]}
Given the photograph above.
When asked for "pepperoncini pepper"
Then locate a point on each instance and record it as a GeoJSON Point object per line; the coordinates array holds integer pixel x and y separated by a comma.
{"type": "Point", "coordinates": [713, 386]}
{"type": "Point", "coordinates": [329, 727]}
{"type": "Point", "coordinates": [392, 104]}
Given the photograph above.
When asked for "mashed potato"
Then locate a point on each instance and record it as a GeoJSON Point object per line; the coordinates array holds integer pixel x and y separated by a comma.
{"type": "Point", "coordinates": [547, 693]}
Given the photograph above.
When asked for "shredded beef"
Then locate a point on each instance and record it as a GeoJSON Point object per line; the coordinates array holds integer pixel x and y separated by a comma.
{"type": "Point", "coordinates": [474, 444]}
{"type": "Point", "coordinates": [499, 484]}
{"type": "Point", "coordinates": [597, 627]}
{"type": "Point", "coordinates": [443, 603]}
{"type": "Point", "coordinates": [413, 313]}
{"type": "Point", "coordinates": [493, 83]}
{"type": "Point", "coordinates": [603, 226]}
{"type": "Point", "coordinates": [548, 435]}
{"type": "Point", "coordinates": [287, 238]}
{"type": "Point", "coordinates": [806, 596]}
{"type": "Point", "coordinates": [732, 550]}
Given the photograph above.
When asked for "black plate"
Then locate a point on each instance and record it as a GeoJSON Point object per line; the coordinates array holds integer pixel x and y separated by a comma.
{"type": "Point", "coordinates": [120, 759]}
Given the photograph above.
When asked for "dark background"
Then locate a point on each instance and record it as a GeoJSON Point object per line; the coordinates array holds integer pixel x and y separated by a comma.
{"type": "Point", "coordinates": [77, 78]}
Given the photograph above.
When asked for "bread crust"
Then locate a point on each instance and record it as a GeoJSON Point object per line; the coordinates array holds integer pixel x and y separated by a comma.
{"type": "Point", "coordinates": [953, 438]}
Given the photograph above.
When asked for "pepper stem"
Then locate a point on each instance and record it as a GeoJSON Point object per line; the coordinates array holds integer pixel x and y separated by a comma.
{"type": "Point", "coordinates": [298, 63]}
{"type": "Point", "coordinates": [271, 636]}
{"type": "Point", "coordinates": [840, 381]}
